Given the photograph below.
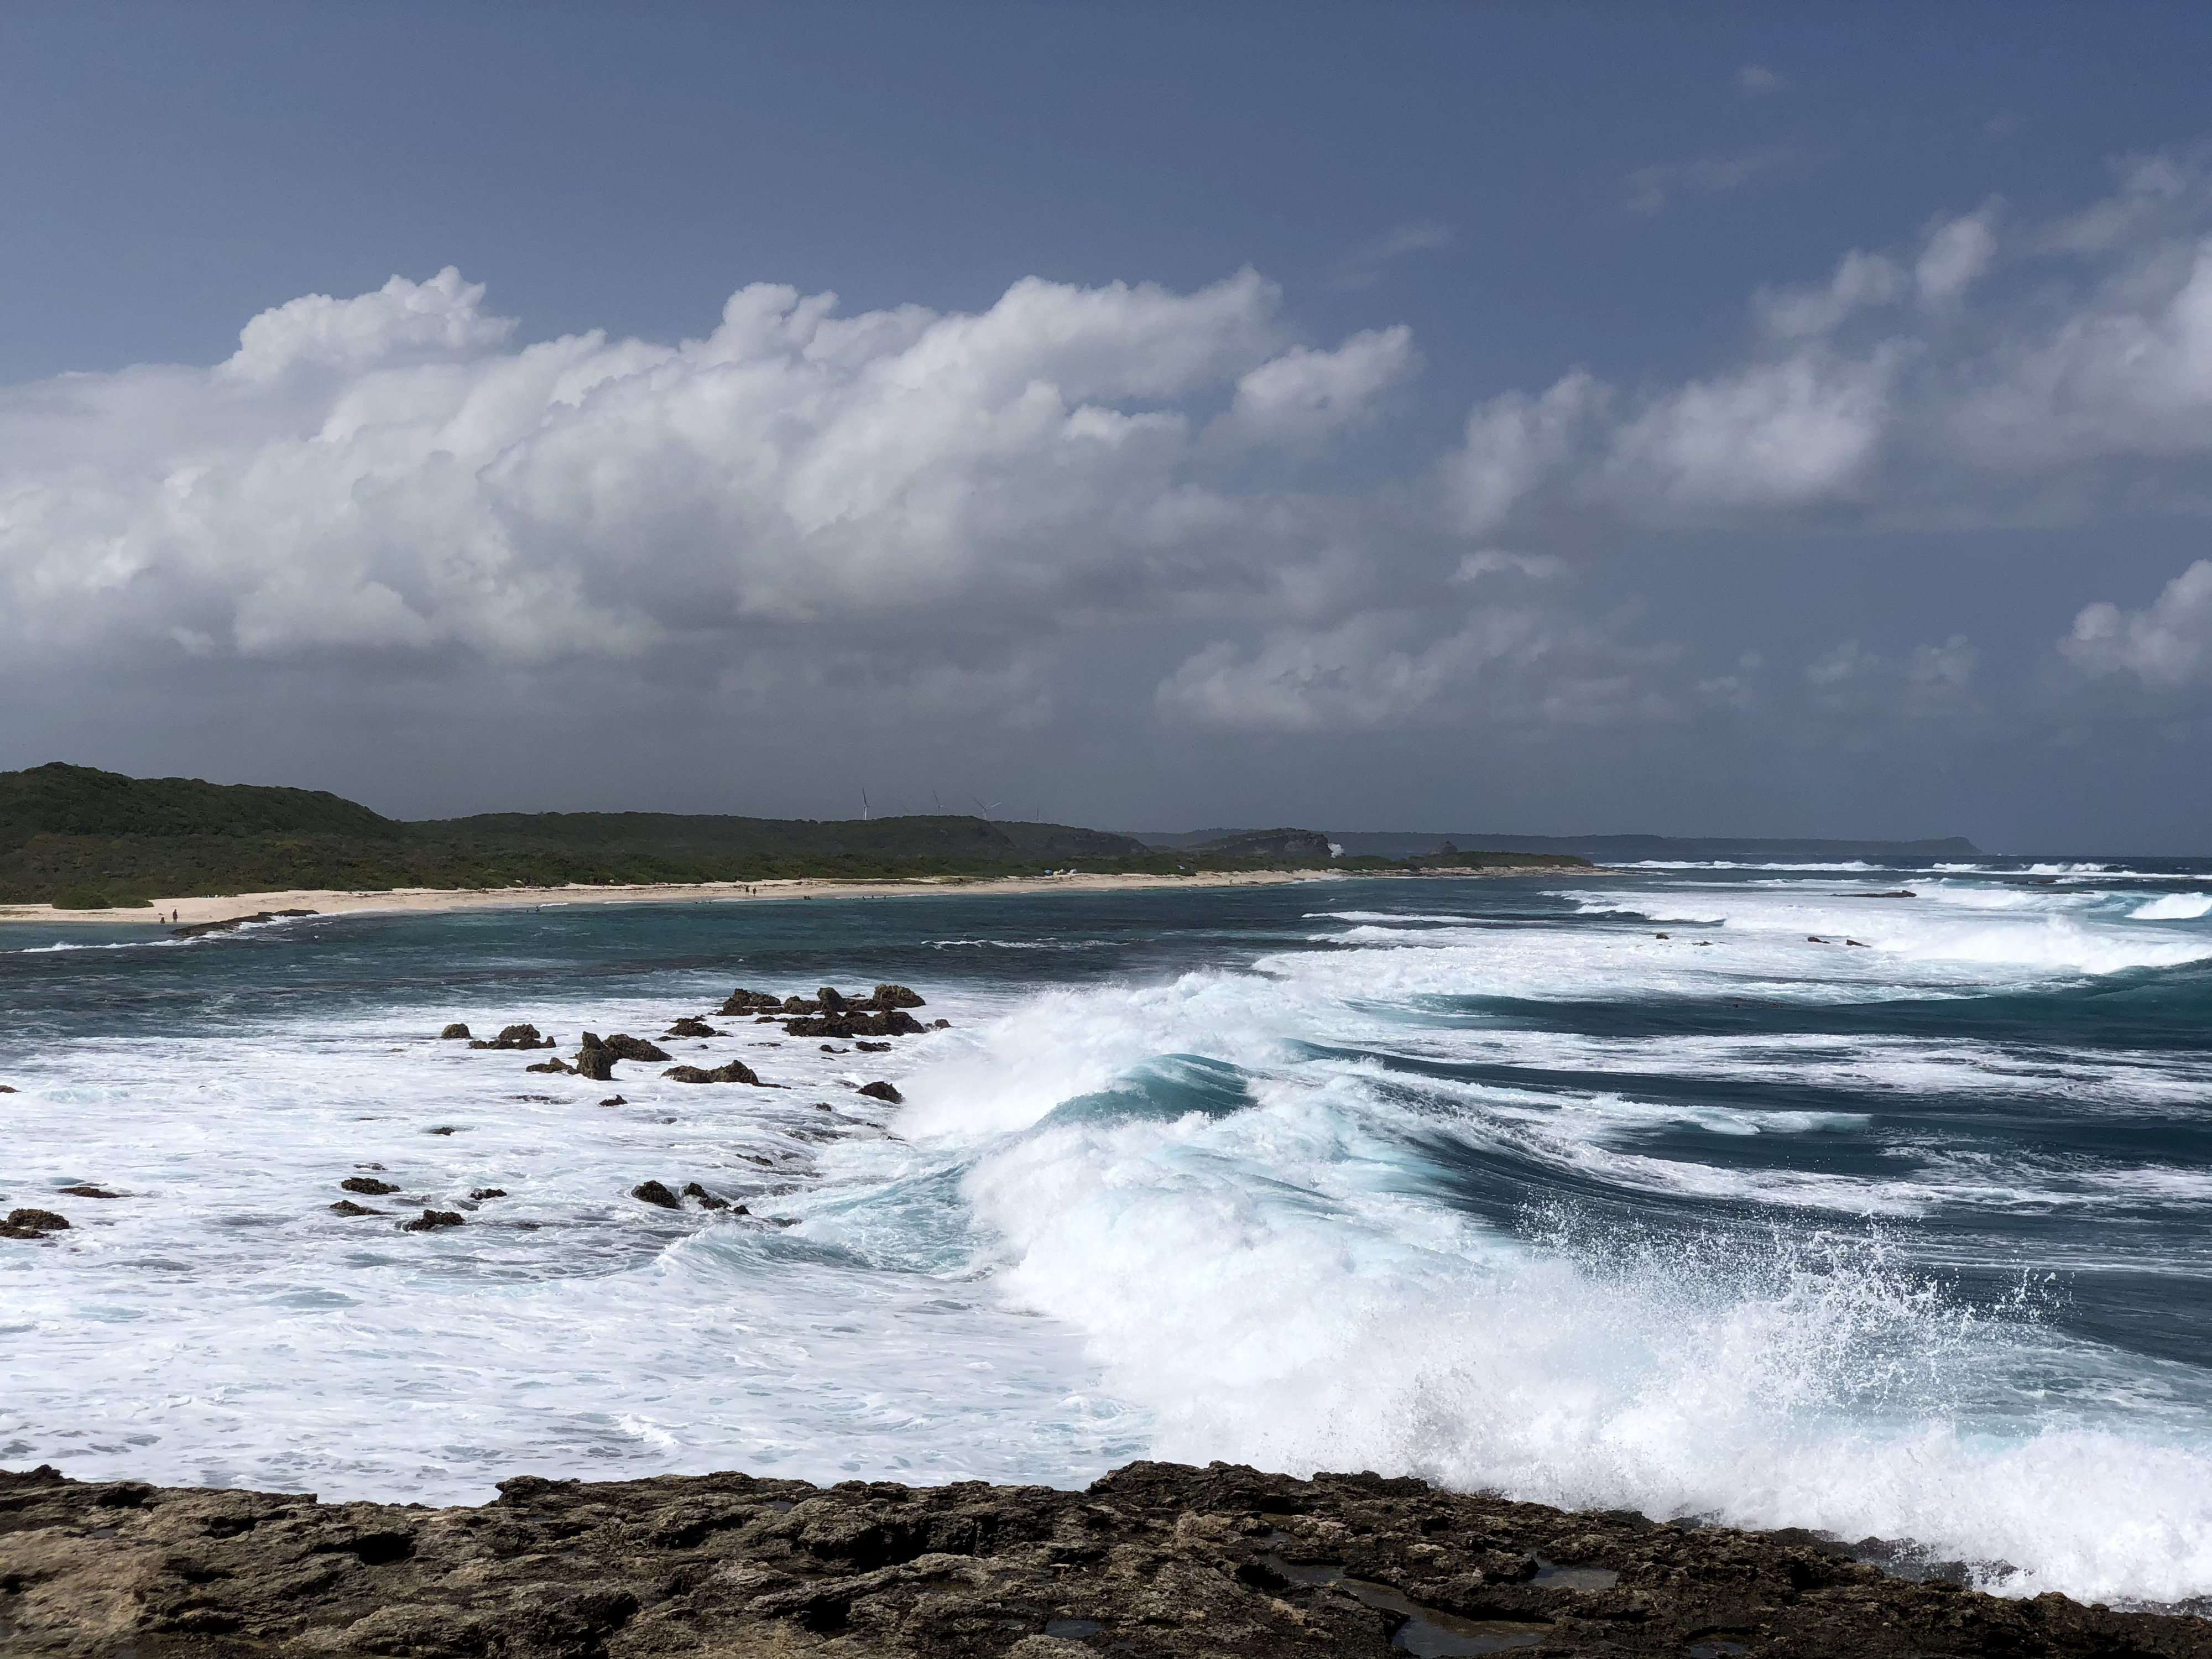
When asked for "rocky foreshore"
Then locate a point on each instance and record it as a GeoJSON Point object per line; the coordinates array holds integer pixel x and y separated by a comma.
{"type": "Point", "coordinates": [1155, 1560]}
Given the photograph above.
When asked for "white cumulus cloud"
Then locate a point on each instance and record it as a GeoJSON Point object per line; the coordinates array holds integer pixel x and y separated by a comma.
{"type": "Point", "coordinates": [2165, 645]}
{"type": "Point", "coordinates": [389, 473]}
{"type": "Point", "coordinates": [1995, 370]}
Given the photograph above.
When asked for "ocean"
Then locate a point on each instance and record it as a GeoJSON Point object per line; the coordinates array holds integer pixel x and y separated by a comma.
{"type": "Point", "coordinates": [1753, 1193]}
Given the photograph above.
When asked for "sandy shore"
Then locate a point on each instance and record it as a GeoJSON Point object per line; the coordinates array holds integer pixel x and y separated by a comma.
{"type": "Point", "coordinates": [187, 911]}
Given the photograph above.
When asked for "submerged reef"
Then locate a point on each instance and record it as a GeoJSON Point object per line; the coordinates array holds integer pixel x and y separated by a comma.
{"type": "Point", "coordinates": [1155, 1560]}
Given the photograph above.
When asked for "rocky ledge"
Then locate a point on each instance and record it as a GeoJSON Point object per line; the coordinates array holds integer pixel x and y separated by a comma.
{"type": "Point", "coordinates": [1153, 1560]}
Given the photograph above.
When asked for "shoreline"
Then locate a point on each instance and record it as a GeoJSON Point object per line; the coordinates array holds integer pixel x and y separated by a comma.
{"type": "Point", "coordinates": [202, 911]}
{"type": "Point", "coordinates": [1159, 1559]}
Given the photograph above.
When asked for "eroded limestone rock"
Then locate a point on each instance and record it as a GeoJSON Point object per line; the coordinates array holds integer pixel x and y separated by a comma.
{"type": "Point", "coordinates": [1158, 1561]}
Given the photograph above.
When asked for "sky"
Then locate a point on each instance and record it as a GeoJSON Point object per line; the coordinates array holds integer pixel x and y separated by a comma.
{"type": "Point", "coordinates": [1701, 420]}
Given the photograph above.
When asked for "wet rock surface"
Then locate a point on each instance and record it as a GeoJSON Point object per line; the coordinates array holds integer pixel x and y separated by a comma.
{"type": "Point", "coordinates": [1157, 1561]}
{"type": "Point", "coordinates": [514, 1037]}
{"type": "Point", "coordinates": [735, 1070]}
{"type": "Point", "coordinates": [594, 1061]}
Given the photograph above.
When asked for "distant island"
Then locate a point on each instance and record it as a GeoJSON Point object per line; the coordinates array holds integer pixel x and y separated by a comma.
{"type": "Point", "coordinates": [79, 838]}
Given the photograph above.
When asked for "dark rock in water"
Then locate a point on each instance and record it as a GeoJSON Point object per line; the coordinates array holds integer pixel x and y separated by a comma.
{"type": "Point", "coordinates": [593, 1062]}
{"type": "Point", "coordinates": [1897, 892]}
{"type": "Point", "coordinates": [456, 1029]}
{"type": "Point", "coordinates": [622, 1046]}
{"type": "Point", "coordinates": [443, 1129]}
{"type": "Point", "coordinates": [614, 1100]}
{"type": "Point", "coordinates": [47, 1220]}
{"type": "Point", "coordinates": [8, 1089]}
{"type": "Point", "coordinates": [832, 1048]}
{"type": "Point", "coordinates": [480, 1194]}
{"type": "Point", "coordinates": [1154, 1560]}
{"type": "Point", "coordinates": [941, 1026]}
{"type": "Point", "coordinates": [883, 1092]}
{"type": "Point", "coordinates": [552, 1065]}
{"type": "Point", "coordinates": [431, 1220]}
{"type": "Point", "coordinates": [801, 1005]}
{"type": "Point", "coordinates": [706, 1200]}
{"type": "Point", "coordinates": [830, 1000]}
{"type": "Point", "coordinates": [742, 1001]}
{"type": "Point", "coordinates": [735, 1072]}
{"type": "Point", "coordinates": [873, 1048]}
{"type": "Point", "coordinates": [888, 997]}
{"type": "Point", "coordinates": [90, 1191]}
{"type": "Point", "coordinates": [897, 1023]}
{"type": "Point", "coordinates": [369, 1186]}
{"type": "Point", "coordinates": [347, 1206]}
{"type": "Point", "coordinates": [516, 1037]}
{"type": "Point", "coordinates": [652, 1192]}
{"type": "Point", "coordinates": [691, 1028]}
{"type": "Point", "coordinates": [1860, 943]}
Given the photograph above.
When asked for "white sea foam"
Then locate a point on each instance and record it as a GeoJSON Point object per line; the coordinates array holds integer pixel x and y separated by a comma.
{"type": "Point", "coordinates": [1274, 1287]}
{"type": "Point", "coordinates": [2042, 936]}
{"type": "Point", "coordinates": [219, 1325]}
{"type": "Point", "coordinates": [1278, 1285]}
{"type": "Point", "coordinates": [2086, 1080]}
{"type": "Point", "coordinates": [2175, 907]}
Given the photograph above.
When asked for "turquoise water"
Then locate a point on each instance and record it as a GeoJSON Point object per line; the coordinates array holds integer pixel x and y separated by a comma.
{"type": "Point", "coordinates": [1478, 1180]}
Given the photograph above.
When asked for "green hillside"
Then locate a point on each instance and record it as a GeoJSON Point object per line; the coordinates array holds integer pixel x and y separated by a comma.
{"type": "Point", "coordinates": [85, 838]}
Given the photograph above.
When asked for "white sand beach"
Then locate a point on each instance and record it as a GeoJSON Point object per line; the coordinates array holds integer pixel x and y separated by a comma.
{"type": "Point", "coordinates": [327, 902]}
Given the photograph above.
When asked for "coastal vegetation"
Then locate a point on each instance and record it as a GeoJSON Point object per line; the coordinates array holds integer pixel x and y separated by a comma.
{"type": "Point", "coordinates": [81, 838]}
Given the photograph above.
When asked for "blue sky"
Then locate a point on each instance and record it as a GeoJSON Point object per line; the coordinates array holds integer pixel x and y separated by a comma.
{"type": "Point", "coordinates": [1840, 363]}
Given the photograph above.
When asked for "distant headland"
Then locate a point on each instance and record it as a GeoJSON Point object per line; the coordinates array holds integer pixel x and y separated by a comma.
{"type": "Point", "coordinates": [82, 839]}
